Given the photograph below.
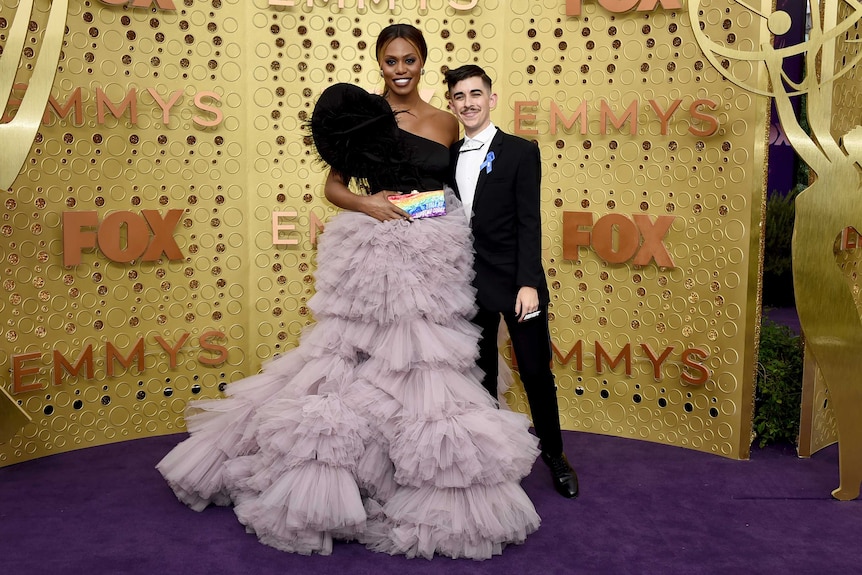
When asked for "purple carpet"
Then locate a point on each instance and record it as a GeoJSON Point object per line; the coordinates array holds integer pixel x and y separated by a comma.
{"type": "Point", "coordinates": [644, 508]}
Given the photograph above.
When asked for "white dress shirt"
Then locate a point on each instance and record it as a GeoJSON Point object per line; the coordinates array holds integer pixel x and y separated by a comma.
{"type": "Point", "coordinates": [470, 158]}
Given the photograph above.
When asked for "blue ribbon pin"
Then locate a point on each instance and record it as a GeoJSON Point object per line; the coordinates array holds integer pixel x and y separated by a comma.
{"type": "Point", "coordinates": [486, 165]}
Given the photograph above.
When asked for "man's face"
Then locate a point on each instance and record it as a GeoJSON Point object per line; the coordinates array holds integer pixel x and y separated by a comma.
{"type": "Point", "coordinates": [471, 102]}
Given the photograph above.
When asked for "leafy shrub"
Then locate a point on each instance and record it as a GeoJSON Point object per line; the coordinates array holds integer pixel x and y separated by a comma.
{"type": "Point", "coordinates": [779, 384]}
{"type": "Point", "coordinates": [777, 261]}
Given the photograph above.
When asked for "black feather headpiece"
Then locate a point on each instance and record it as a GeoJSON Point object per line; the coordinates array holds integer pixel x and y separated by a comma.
{"type": "Point", "coordinates": [356, 134]}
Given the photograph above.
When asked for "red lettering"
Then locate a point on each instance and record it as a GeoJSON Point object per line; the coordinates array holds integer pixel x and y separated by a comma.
{"type": "Point", "coordinates": [278, 227]}
{"type": "Point", "coordinates": [616, 238]}
{"type": "Point", "coordinates": [19, 372]}
{"type": "Point", "coordinates": [75, 101]}
{"type": "Point", "coordinates": [130, 102]}
{"type": "Point", "coordinates": [701, 372]}
{"type": "Point", "coordinates": [664, 117]}
{"type": "Point", "coordinates": [122, 236]}
{"type": "Point", "coordinates": [84, 365]}
{"type": "Point", "coordinates": [618, 6]}
{"type": "Point", "coordinates": [647, 5]}
{"type": "Point", "coordinates": [602, 355]}
{"type": "Point", "coordinates": [163, 235]}
{"type": "Point", "coordinates": [218, 116]}
{"type": "Point", "coordinates": [626, 236]}
{"type": "Point", "coordinates": [521, 117]}
{"type": "Point", "coordinates": [605, 114]}
{"type": "Point", "coordinates": [315, 226]}
{"type": "Point", "coordinates": [112, 354]}
{"type": "Point", "coordinates": [74, 239]}
{"type": "Point", "coordinates": [573, 7]}
{"type": "Point", "coordinates": [458, 6]}
{"type": "Point", "coordinates": [573, 236]}
{"type": "Point", "coordinates": [60, 364]}
{"type": "Point", "coordinates": [166, 106]}
{"type": "Point", "coordinates": [110, 236]}
{"type": "Point", "coordinates": [653, 234]}
{"type": "Point", "coordinates": [656, 361]}
{"type": "Point", "coordinates": [711, 122]}
{"type": "Point", "coordinates": [172, 351]}
{"type": "Point", "coordinates": [209, 346]}
{"type": "Point", "coordinates": [577, 351]}
{"type": "Point", "coordinates": [580, 113]}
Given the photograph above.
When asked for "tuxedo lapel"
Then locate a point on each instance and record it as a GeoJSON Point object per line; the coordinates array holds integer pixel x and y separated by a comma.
{"type": "Point", "coordinates": [494, 152]}
{"type": "Point", "coordinates": [454, 154]}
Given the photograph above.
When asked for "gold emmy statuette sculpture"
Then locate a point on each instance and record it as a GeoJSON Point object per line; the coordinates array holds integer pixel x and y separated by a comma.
{"type": "Point", "coordinates": [16, 137]}
{"type": "Point", "coordinates": [827, 311]}
{"type": "Point", "coordinates": [12, 416]}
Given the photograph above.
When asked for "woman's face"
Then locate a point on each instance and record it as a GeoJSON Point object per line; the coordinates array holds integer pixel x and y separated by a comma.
{"type": "Point", "coordinates": [401, 65]}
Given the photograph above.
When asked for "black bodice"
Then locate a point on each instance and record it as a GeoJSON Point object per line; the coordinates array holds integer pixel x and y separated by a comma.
{"type": "Point", "coordinates": [428, 166]}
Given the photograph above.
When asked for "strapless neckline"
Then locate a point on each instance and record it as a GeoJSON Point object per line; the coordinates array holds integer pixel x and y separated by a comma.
{"type": "Point", "coordinates": [417, 136]}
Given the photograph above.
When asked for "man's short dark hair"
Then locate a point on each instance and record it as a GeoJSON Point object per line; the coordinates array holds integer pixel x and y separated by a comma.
{"type": "Point", "coordinates": [464, 72]}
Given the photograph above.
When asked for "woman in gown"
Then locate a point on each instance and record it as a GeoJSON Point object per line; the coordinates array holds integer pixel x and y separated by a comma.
{"type": "Point", "coordinates": [375, 428]}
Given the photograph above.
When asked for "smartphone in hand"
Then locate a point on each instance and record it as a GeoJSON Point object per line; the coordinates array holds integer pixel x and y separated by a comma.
{"type": "Point", "coordinates": [531, 315]}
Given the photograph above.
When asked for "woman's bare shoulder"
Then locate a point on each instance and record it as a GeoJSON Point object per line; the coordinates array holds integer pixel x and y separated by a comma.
{"type": "Point", "coordinates": [446, 125]}
{"type": "Point", "coordinates": [445, 116]}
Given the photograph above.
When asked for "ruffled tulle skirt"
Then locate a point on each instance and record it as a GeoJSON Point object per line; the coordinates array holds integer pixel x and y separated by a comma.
{"type": "Point", "coordinates": [375, 428]}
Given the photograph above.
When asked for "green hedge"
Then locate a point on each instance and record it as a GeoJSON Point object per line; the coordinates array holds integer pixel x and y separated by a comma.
{"type": "Point", "coordinates": [779, 384]}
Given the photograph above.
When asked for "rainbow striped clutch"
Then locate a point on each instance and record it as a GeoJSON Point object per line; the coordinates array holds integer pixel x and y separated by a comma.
{"type": "Point", "coordinates": [421, 204]}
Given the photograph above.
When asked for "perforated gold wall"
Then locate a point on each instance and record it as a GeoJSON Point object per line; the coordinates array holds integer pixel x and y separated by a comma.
{"type": "Point", "coordinates": [93, 161]}
{"type": "Point", "coordinates": [229, 153]}
{"type": "Point", "coordinates": [711, 185]}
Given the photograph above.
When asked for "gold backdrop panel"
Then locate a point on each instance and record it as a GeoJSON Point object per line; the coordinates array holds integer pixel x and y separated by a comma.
{"type": "Point", "coordinates": [142, 145]}
{"type": "Point", "coordinates": [825, 299]}
{"type": "Point", "coordinates": [654, 172]}
{"type": "Point", "coordinates": [183, 127]}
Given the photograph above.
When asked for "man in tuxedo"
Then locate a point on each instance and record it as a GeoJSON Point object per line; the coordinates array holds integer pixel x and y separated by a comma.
{"type": "Point", "coordinates": [498, 178]}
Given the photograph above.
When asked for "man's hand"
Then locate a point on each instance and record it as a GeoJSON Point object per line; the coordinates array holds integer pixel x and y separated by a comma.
{"type": "Point", "coordinates": [526, 302]}
{"type": "Point", "coordinates": [380, 208]}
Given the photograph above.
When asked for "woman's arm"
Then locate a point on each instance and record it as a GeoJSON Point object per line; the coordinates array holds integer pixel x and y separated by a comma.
{"type": "Point", "coordinates": [375, 205]}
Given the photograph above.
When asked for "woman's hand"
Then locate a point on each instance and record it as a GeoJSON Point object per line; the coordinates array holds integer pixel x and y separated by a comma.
{"type": "Point", "coordinates": [375, 205]}
{"type": "Point", "coordinates": [380, 208]}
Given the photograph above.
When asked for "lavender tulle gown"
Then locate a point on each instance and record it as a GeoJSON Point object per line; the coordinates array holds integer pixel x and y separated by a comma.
{"type": "Point", "coordinates": [375, 428]}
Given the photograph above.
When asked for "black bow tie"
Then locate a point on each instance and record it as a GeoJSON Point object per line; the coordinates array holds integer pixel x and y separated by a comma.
{"type": "Point", "coordinates": [470, 145]}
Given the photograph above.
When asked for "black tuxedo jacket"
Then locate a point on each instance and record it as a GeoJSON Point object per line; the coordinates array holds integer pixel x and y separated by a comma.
{"type": "Point", "coordinates": [507, 223]}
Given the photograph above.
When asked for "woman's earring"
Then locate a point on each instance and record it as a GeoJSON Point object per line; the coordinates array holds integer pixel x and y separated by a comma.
{"type": "Point", "coordinates": [422, 72]}
{"type": "Point", "coordinates": [381, 73]}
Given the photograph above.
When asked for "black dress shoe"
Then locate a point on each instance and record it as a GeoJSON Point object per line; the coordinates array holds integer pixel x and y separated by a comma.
{"type": "Point", "coordinates": [565, 478]}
